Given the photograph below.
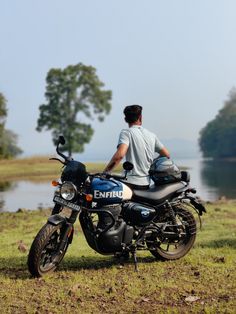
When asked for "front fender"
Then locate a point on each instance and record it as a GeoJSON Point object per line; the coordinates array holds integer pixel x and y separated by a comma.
{"type": "Point", "coordinates": [56, 220]}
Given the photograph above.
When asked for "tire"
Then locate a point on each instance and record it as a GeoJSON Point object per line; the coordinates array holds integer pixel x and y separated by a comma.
{"type": "Point", "coordinates": [43, 255]}
{"type": "Point", "coordinates": [182, 245]}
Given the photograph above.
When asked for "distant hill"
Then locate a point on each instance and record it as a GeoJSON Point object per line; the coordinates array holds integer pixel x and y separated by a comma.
{"type": "Point", "coordinates": [179, 148]}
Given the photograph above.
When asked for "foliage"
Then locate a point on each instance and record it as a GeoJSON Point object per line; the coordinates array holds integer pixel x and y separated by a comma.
{"type": "Point", "coordinates": [10, 148]}
{"type": "Point", "coordinates": [217, 138]}
{"type": "Point", "coordinates": [8, 139]}
{"type": "Point", "coordinates": [3, 114]}
{"type": "Point", "coordinates": [3, 109]}
{"type": "Point", "coordinates": [73, 90]}
{"type": "Point", "coordinates": [86, 282]}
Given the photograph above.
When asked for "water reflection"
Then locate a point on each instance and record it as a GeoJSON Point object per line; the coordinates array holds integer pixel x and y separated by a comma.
{"type": "Point", "coordinates": [219, 177]}
{"type": "Point", "coordinates": [25, 194]}
{"type": "Point", "coordinates": [212, 179]}
{"type": "Point", "coordinates": [4, 186]}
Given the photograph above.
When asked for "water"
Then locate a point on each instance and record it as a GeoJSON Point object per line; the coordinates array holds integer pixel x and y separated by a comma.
{"type": "Point", "coordinates": [25, 194]}
{"type": "Point", "coordinates": [212, 179]}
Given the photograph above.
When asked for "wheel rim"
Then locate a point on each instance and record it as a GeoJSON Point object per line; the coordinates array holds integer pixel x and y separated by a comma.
{"type": "Point", "coordinates": [173, 247]}
{"type": "Point", "coordinates": [50, 256]}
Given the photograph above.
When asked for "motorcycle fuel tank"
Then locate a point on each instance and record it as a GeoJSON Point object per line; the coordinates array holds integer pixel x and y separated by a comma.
{"type": "Point", "coordinates": [110, 191]}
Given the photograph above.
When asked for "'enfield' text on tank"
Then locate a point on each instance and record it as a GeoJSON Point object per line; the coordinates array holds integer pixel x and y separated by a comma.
{"type": "Point", "coordinates": [112, 194]}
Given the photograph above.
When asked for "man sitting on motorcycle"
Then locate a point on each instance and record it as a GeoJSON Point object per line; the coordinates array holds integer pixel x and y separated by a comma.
{"type": "Point", "coordinates": [138, 146]}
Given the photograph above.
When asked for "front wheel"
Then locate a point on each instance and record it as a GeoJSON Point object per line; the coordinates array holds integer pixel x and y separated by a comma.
{"type": "Point", "coordinates": [44, 255]}
{"type": "Point", "coordinates": [165, 248]}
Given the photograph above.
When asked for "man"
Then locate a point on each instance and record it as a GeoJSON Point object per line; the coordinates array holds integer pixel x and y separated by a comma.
{"type": "Point", "coordinates": [138, 145]}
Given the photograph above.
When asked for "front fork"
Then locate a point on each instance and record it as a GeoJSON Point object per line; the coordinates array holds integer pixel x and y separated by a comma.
{"type": "Point", "coordinates": [67, 225]}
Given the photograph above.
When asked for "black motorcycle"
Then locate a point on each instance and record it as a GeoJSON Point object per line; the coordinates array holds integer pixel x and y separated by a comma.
{"type": "Point", "coordinates": [115, 218]}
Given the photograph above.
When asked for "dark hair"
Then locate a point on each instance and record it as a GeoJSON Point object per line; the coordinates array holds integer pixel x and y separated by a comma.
{"type": "Point", "coordinates": [132, 113]}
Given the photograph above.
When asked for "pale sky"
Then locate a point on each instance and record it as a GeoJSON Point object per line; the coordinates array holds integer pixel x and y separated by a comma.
{"type": "Point", "coordinates": [177, 58]}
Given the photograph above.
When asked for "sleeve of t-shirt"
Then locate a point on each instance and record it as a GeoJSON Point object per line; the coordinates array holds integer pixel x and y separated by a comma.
{"type": "Point", "coordinates": [158, 145]}
{"type": "Point", "coordinates": [124, 137]}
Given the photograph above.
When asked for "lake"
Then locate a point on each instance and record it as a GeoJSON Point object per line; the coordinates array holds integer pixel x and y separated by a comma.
{"type": "Point", "coordinates": [212, 179]}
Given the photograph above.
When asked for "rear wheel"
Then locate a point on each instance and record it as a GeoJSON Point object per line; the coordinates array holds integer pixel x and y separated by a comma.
{"type": "Point", "coordinates": [44, 255]}
{"type": "Point", "coordinates": [165, 248]}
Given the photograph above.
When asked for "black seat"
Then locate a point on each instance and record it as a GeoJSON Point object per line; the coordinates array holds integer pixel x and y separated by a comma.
{"type": "Point", "coordinates": [157, 194]}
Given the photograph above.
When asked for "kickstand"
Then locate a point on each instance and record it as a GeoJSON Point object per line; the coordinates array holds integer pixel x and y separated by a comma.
{"type": "Point", "coordinates": [134, 255]}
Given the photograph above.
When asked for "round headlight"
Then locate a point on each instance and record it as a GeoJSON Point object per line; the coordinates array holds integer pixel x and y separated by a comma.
{"type": "Point", "coordinates": [68, 191]}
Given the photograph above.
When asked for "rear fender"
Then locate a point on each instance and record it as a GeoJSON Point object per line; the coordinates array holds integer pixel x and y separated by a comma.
{"type": "Point", "coordinates": [200, 209]}
{"type": "Point", "coordinates": [196, 205]}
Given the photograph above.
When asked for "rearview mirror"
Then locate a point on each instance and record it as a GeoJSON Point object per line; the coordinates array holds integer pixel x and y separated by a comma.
{"type": "Point", "coordinates": [128, 166]}
{"type": "Point", "coordinates": [61, 140]}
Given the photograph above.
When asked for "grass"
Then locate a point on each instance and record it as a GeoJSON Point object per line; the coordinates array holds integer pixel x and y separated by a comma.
{"type": "Point", "coordinates": [202, 282]}
{"type": "Point", "coordinates": [37, 168]}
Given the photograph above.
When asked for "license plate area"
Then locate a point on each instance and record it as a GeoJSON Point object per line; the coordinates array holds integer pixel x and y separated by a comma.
{"type": "Point", "coordinates": [61, 201]}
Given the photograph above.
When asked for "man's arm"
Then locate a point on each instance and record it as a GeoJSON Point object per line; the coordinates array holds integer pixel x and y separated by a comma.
{"type": "Point", "coordinates": [117, 157]}
{"type": "Point", "coordinates": [164, 152]}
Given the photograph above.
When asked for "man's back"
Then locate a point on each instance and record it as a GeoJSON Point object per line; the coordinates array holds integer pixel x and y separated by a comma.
{"type": "Point", "coordinates": [142, 145]}
{"type": "Point", "coordinates": [138, 145]}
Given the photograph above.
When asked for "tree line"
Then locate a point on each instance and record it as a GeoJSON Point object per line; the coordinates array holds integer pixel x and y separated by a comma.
{"type": "Point", "coordinates": [218, 138]}
{"type": "Point", "coordinates": [75, 96]}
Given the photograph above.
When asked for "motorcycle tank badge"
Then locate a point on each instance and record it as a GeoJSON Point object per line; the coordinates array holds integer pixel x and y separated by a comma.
{"type": "Point", "coordinates": [109, 191]}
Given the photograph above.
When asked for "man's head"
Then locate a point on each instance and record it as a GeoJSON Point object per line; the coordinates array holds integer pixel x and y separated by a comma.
{"type": "Point", "coordinates": [133, 114]}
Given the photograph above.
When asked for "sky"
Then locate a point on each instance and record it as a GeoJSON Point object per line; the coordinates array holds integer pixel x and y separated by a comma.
{"type": "Point", "coordinates": [175, 58]}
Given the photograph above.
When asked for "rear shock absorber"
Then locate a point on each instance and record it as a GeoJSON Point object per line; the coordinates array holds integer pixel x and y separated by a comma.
{"type": "Point", "coordinates": [171, 213]}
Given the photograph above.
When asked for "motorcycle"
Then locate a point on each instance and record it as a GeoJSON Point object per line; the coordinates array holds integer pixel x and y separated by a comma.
{"type": "Point", "coordinates": [115, 219]}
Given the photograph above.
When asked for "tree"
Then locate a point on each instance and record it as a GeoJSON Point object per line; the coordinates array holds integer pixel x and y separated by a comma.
{"type": "Point", "coordinates": [217, 138]}
{"type": "Point", "coordinates": [70, 91]}
{"type": "Point", "coordinates": [3, 114]}
{"type": "Point", "coordinates": [8, 139]}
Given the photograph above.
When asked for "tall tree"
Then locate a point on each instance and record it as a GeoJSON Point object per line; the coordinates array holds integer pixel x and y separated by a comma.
{"type": "Point", "coordinates": [3, 115]}
{"type": "Point", "coordinates": [3, 112]}
{"type": "Point", "coordinates": [8, 139]}
{"type": "Point", "coordinates": [70, 91]}
{"type": "Point", "coordinates": [217, 138]}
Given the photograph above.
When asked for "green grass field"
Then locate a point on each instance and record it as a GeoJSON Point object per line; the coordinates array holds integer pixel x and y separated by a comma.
{"type": "Point", "coordinates": [202, 282]}
{"type": "Point", "coordinates": [38, 168]}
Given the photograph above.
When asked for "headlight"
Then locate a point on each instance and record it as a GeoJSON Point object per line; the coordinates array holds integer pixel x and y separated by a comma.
{"type": "Point", "coordinates": [68, 191]}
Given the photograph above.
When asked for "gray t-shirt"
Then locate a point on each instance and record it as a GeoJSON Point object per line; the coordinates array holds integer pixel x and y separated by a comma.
{"type": "Point", "coordinates": [142, 147]}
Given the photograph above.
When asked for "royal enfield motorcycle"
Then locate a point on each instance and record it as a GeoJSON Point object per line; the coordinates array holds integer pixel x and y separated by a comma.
{"type": "Point", "coordinates": [115, 218]}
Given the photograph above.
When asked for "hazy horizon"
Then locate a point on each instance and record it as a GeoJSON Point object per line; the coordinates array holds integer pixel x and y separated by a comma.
{"type": "Point", "coordinates": [176, 59]}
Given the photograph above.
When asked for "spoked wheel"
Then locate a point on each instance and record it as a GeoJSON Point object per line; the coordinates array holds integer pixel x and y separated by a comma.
{"type": "Point", "coordinates": [44, 255]}
{"type": "Point", "coordinates": [172, 249]}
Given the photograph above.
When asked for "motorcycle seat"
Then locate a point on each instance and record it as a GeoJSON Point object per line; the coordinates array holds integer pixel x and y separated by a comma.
{"type": "Point", "coordinates": [157, 194]}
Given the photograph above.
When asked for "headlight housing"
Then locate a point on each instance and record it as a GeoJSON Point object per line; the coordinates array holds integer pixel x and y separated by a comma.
{"type": "Point", "coordinates": [68, 191]}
